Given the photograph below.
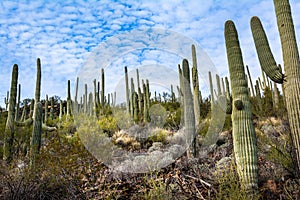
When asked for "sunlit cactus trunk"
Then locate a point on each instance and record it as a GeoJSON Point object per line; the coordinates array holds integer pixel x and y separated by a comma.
{"type": "Point", "coordinates": [9, 128]}
{"type": "Point", "coordinates": [195, 86]}
{"type": "Point", "coordinates": [244, 137]}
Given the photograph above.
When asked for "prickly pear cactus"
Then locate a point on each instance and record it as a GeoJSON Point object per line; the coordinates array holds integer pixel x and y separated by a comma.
{"type": "Point", "coordinates": [244, 137]}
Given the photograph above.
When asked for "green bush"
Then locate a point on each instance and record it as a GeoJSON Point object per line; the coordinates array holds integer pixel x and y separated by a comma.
{"type": "Point", "coordinates": [159, 135]}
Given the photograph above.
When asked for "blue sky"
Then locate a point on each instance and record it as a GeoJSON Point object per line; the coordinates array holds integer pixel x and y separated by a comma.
{"type": "Point", "coordinates": [66, 34]}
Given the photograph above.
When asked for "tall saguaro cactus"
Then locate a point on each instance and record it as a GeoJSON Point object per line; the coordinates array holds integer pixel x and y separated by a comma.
{"type": "Point", "coordinates": [127, 91]}
{"type": "Point", "coordinates": [37, 118]}
{"type": "Point", "coordinates": [102, 88]}
{"type": "Point", "coordinates": [195, 86]}
{"type": "Point", "coordinates": [244, 138]}
{"type": "Point", "coordinates": [291, 78]}
{"type": "Point", "coordinates": [189, 115]}
{"type": "Point", "coordinates": [9, 128]}
{"type": "Point", "coordinates": [36, 133]}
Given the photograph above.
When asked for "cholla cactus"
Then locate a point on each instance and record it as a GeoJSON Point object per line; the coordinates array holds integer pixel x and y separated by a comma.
{"type": "Point", "coordinates": [244, 137]}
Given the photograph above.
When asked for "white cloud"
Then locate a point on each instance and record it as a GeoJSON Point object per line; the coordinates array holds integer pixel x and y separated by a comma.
{"type": "Point", "coordinates": [63, 33]}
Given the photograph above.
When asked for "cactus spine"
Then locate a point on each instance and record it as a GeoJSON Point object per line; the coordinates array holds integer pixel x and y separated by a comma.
{"type": "Point", "coordinates": [244, 138]}
{"type": "Point", "coordinates": [9, 128]}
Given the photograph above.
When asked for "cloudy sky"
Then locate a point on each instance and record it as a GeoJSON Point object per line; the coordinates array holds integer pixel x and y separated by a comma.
{"type": "Point", "coordinates": [77, 38]}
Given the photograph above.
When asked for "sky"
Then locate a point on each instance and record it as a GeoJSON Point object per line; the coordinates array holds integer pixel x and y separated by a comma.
{"type": "Point", "coordinates": [78, 38]}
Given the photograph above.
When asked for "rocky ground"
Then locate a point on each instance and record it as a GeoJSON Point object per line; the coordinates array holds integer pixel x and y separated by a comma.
{"type": "Point", "coordinates": [68, 171]}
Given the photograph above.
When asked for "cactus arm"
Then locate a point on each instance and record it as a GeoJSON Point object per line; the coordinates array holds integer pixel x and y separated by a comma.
{"type": "Point", "coordinates": [264, 53]}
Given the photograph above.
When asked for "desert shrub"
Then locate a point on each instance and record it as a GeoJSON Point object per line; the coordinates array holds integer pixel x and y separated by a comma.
{"type": "Point", "coordinates": [159, 135]}
{"type": "Point", "coordinates": [229, 186]}
{"type": "Point", "coordinates": [122, 139]}
{"type": "Point", "coordinates": [53, 176]}
{"type": "Point", "coordinates": [158, 189]}
{"type": "Point", "coordinates": [108, 124]}
{"type": "Point", "coordinates": [173, 119]}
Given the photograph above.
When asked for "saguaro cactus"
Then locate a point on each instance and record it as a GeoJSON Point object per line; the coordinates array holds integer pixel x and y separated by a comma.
{"type": "Point", "coordinates": [102, 88]}
{"type": "Point", "coordinates": [17, 115]}
{"type": "Point", "coordinates": [127, 91]}
{"type": "Point", "coordinates": [69, 101]}
{"type": "Point", "coordinates": [9, 128]}
{"type": "Point", "coordinates": [189, 115]}
{"type": "Point", "coordinates": [36, 132]}
{"type": "Point", "coordinates": [6, 100]}
{"type": "Point", "coordinates": [37, 118]}
{"type": "Point", "coordinates": [38, 82]}
{"type": "Point", "coordinates": [46, 109]}
{"type": "Point", "coordinates": [195, 86]}
{"type": "Point", "coordinates": [291, 79]}
{"type": "Point", "coordinates": [244, 138]}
